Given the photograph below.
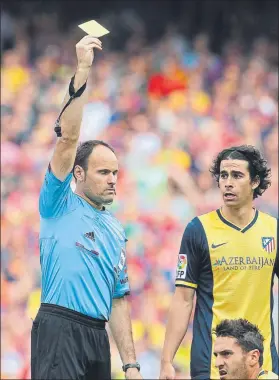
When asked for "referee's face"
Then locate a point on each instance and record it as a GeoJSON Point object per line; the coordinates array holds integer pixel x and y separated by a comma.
{"type": "Point", "coordinates": [98, 185]}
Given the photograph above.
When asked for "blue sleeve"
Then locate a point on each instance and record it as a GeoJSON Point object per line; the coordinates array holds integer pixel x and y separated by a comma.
{"type": "Point", "coordinates": [122, 285]}
{"type": "Point", "coordinates": [191, 254]}
{"type": "Point", "coordinates": [56, 197]}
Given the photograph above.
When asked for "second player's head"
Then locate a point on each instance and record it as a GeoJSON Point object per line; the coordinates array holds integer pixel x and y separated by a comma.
{"type": "Point", "coordinates": [242, 174]}
{"type": "Point", "coordinates": [238, 349]}
{"type": "Point", "coordinates": [95, 171]}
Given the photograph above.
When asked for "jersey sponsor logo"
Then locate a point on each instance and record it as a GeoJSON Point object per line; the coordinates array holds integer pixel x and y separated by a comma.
{"type": "Point", "coordinates": [214, 246]}
{"type": "Point", "coordinates": [268, 244]}
{"type": "Point", "coordinates": [181, 266]}
{"type": "Point", "coordinates": [242, 263]}
{"type": "Point", "coordinates": [90, 235]}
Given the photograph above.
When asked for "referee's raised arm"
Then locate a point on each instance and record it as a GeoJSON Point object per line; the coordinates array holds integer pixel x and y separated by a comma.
{"type": "Point", "coordinates": [69, 125]}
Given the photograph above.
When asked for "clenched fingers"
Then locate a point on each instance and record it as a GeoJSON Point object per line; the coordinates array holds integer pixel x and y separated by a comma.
{"type": "Point", "coordinates": [89, 40]}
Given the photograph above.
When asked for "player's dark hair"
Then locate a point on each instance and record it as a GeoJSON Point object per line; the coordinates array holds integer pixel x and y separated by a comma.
{"type": "Point", "coordinates": [257, 165]}
{"type": "Point", "coordinates": [247, 335]}
{"type": "Point", "coordinates": [84, 150]}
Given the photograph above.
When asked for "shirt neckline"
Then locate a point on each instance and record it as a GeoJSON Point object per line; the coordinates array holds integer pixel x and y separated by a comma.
{"type": "Point", "coordinates": [91, 206]}
{"type": "Point", "coordinates": [230, 224]}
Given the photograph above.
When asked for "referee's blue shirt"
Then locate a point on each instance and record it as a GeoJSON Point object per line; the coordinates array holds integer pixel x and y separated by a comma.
{"type": "Point", "coordinates": [82, 251]}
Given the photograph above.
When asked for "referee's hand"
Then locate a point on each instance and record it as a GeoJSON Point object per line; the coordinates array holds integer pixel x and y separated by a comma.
{"type": "Point", "coordinates": [167, 372]}
{"type": "Point", "coordinates": [85, 53]}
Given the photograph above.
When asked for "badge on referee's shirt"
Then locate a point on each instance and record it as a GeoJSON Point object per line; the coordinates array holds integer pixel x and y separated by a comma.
{"type": "Point", "coordinates": [121, 262]}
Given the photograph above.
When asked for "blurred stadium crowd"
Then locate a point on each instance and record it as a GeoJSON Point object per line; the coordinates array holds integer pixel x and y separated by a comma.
{"type": "Point", "coordinates": [167, 108]}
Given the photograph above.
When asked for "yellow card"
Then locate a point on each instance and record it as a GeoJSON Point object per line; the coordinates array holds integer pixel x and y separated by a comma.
{"type": "Point", "coordinates": [93, 28]}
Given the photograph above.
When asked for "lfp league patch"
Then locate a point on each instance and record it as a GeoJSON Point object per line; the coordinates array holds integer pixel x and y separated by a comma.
{"type": "Point", "coordinates": [268, 244]}
{"type": "Point", "coordinates": [181, 266]}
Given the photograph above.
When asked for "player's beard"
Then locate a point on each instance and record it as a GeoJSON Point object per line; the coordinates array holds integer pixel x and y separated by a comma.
{"type": "Point", "coordinates": [240, 371]}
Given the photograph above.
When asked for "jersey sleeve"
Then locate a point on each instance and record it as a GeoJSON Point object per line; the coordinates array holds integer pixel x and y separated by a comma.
{"type": "Point", "coordinates": [190, 257]}
{"type": "Point", "coordinates": [56, 197]}
{"type": "Point", "coordinates": [122, 285]}
{"type": "Point", "coordinates": [276, 265]}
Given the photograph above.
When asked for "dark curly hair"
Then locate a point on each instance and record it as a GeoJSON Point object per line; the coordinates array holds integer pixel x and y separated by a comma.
{"type": "Point", "coordinates": [247, 335]}
{"type": "Point", "coordinates": [257, 165]}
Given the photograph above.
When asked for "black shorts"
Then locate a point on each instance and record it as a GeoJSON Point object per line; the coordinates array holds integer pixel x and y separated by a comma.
{"type": "Point", "coordinates": [67, 345]}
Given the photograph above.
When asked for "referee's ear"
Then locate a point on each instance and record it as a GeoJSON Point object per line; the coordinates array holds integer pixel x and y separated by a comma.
{"type": "Point", "coordinates": [79, 173]}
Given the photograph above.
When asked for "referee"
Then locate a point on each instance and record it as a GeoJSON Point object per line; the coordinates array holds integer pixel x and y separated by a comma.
{"type": "Point", "coordinates": [82, 253]}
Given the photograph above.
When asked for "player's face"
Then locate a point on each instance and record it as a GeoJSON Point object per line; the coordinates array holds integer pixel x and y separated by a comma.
{"type": "Point", "coordinates": [235, 183]}
{"type": "Point", "coordinates": [230, 360]}
{"type": "Point", "coordinates": [99, 184]}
